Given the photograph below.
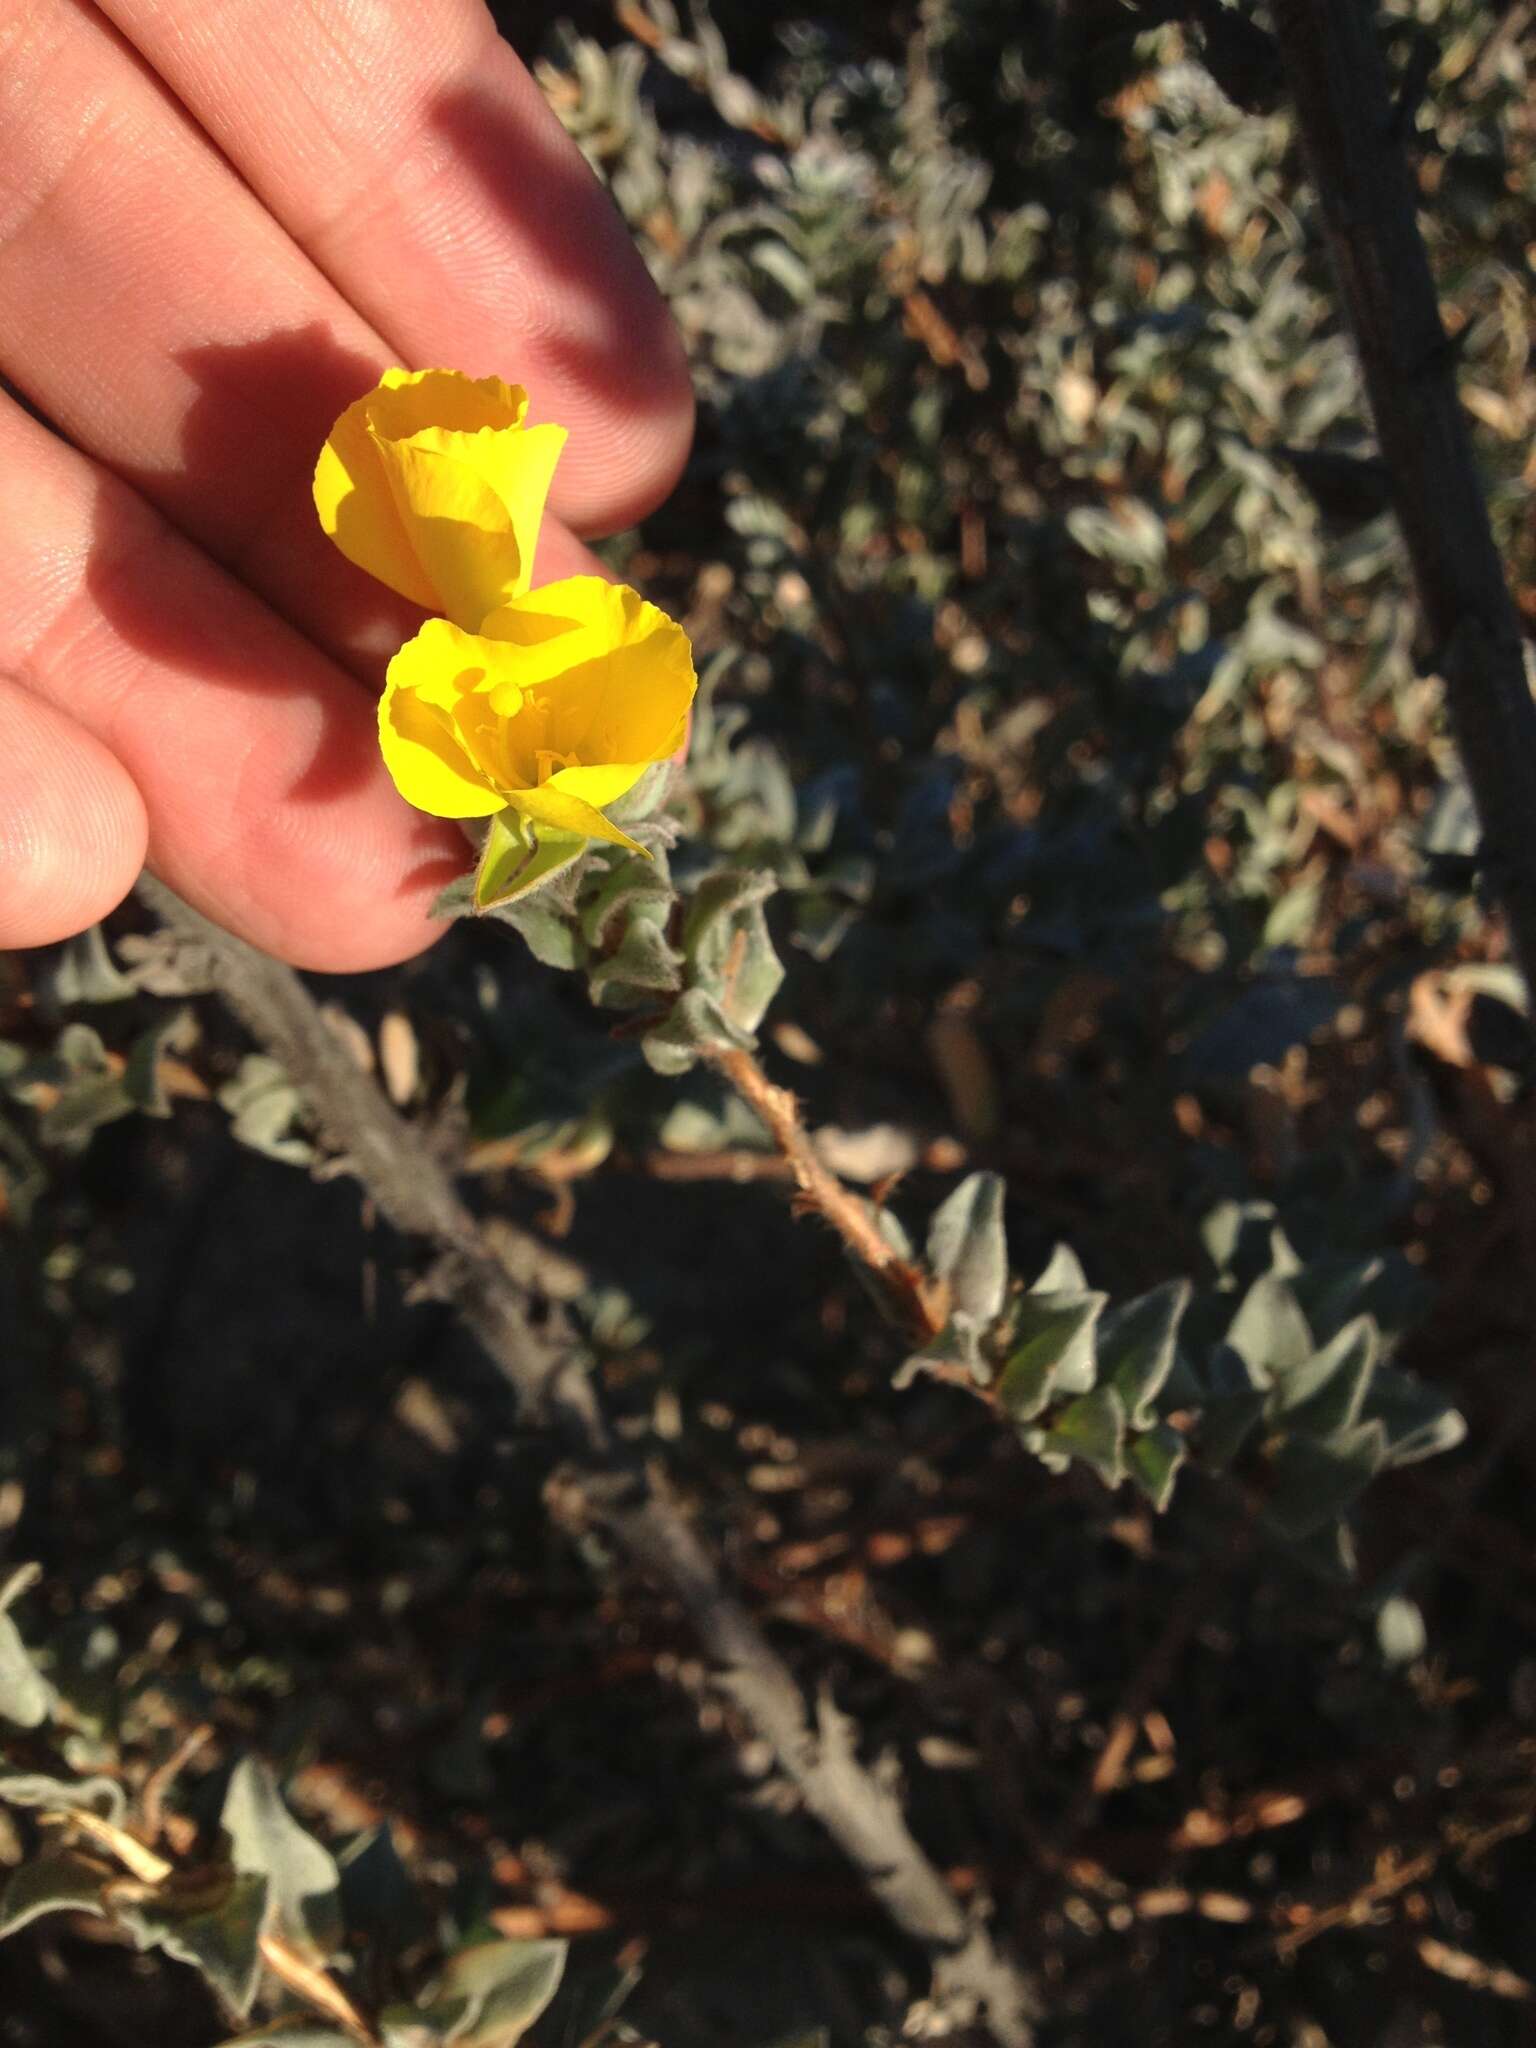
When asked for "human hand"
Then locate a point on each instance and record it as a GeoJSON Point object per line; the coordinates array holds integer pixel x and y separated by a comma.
{"type": "Point", "coordinates": [218, 224]}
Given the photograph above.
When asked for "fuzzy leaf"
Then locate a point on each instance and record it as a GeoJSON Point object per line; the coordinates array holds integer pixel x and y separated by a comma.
{"type": "Point", "coordinates": [264, 1107]}
{"type": "Point", "coordinates": [218, 1939]}
{"type": "Point", "coordinates": [456, 900]}
{"type": "Point", "coordinates": [1316, 1479]}
{"type": "Point", "coordinates": [1091, 1430]}
{"type": "Point", "coordinates": [694, 1023]}
{"type": "Point", "coordinates": [1327, 1392]}
{"type": "Point", "coordinates": [631, 888]}
{"type": "Point", "coordinates": [1269, 1331]}
{"type": "Point", "coordinates": [643, 966]}
{"type": "Point", "coordinates": [547, 935]}
{"type": "Point", "coordinates": [1063, 1274]}
{"type": "Point", "coordinates": [51, 1884]}
{"type": "Point", "coordinates": [1153, 1459]}
{"type": "Point", "coordinates": [26, 1697]}
{"type": "Point", "coordinates": [754, 973]}
{"type": "Point", "coordinates": [1051, 1351]}
{"type": "Point", "coordinates": [141, 1076]}
{"type": "Point", "coordinates": [1400, 1632]}
{"type": "Point", "coordinates": [645, 797]}
{"type": "Point", "coordinates": [304, 1902]}
{"type": "Point", "coordinates": [968, 1248]}
{"type": "Point", "coordinates": [103, 1796]}
{"type": "Point", "coordinates": [1137, 1345]}
{"type": "Point", "coordinates": [490, 1995]}
{"type": "Point", "coordinates": [1418, 1422]}
{"type": "Point", "coordinates": [87, 973]}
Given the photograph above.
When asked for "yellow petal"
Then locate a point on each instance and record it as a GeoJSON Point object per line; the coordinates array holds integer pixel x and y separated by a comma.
{"type": "Point", "coordinates": [418, 735]}
{"type": "Point", "coordinates": [357, 508]}
{"type": "Point", "coordinates": [598, 786]}
{"type": "Point", "coordinates": [433, 484]}
{"type": "Point", "coordinates": [403, 402]}
{"type": "Point", "coordinates": [619, 682]}
{"type": "Point", "coordinates": [563, 812]}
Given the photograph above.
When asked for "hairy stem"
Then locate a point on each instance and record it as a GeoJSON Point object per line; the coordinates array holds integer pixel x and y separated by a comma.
{"type": "Point", "coordinates": [542, 1358]}
{"type": "Point", "coordinates": [822, 1191]}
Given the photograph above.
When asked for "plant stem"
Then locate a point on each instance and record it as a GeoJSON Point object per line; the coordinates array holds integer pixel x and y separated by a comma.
{"type": "Point", "coordinates": [546, 1365]}
{"type": "Point", "coordinates": [825, 1193]}
{"type": "Point", "coordinates": [1369, 199]}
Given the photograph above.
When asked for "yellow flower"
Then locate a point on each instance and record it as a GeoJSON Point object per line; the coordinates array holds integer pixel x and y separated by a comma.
{"type": "Point", "coordinates": [557, 706]}
{"type": "Point", "coordinates": [433, 484]}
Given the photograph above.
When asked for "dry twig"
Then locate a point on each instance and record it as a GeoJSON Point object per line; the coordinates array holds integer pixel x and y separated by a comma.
{"type": "Point", "coordinates": [544, 1363]}
{"type": "Point", "coordinates": [1369, 199]}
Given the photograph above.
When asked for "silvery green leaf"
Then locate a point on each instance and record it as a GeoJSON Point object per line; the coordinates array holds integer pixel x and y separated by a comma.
{"type": "Point", "coordinates": [1330, 1291]}
{"type": "Point", "coordinates": [1227, 1421]}
{"type": "Point", "coordinates": [694, 1025]}
{"type": "Point", "coordinates": [642, 966]}
{"type": "Point", "coordinates": [709, 926]}
{"type": "Point", "coordinates": [968, 1248]}
{"type": "Point", "coordinates": [218, 1938]}
{"type": "Point", "coordinates": [1269, 1331]}
{"type": "Point", "coordinates": [141, 1076]}
{"type": "Point", "coordinates": [1244, 1239]}
{"type": "Point", "coordinates": [1091, 1430]}
{"type": "Point", "coordinates": [89, 1092]}
{"type": "Point", "coordinates": [957, 1344]}
{"type": "Point", "coordinates": [1063, 1274]}
{"type": "Point", "coordinates": [488, 1996]}
{"type": "Point", "coordinates": [265, 1108]}
{"type": "Point", "coordinates": [1294, 914]}
{"type": "Point", "coordinates": [1051, 1351]}
{"type": "Point", "coordinates": [456, 900]}
{"type": "Point", "coordinates": [1152, 1460]}
{"type": "Point", "coordinates": [1327, 1391]}
{"type": "Point", "coordinates": [631, 887]}
{"type": "Point", "coordinates": [266, 1841]}
{"type": "Point", "coordinates": [87, 973]}
{"type": "Point", "coordinates": [1317, 1478]}
{"type": "Point", "coordinates": [754, 973]}
{"type": "Point", "coordinates": [1400, 1632]}
{"type": "Point", "coordinates": [26, 1697]}
{"type": "Point", "coordinates": [50, 1884]}
{"type": "Point", "coordinates": [549, 937]}
{"type": "Point", "coordinates": [103, 1796]}
{"type": "Point", "coordinates": [645, 798]}
{"type": "Point", "coordinates": [1138, 1342]}
{"type": "Point", "coordinates": [1418, 1421]}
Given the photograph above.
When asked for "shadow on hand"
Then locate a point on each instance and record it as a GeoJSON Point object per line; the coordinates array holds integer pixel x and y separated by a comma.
{"type": "Point", "coordinates": [604, 329]}
{"type": "Point", "coordinates": [240, 493]}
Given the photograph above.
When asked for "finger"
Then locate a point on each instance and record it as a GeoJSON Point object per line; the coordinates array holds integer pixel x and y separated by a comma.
{"type": "Point", "coordinates": [151, 307]}
{"type": "Point", "coordinates": [256, 757]}
{"type": "Point", "coordinates": [72, 824]}
{"type": "Point", "coordinates": [409, 152]}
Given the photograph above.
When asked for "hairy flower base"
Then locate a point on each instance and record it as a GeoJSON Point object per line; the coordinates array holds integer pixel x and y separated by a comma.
{"type": "Point", "coordinates": [556, 707]}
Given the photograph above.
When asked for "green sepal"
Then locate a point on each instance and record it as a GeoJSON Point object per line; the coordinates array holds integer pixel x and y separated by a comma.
{"type": "Point", "coordinates": [518, 857]}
